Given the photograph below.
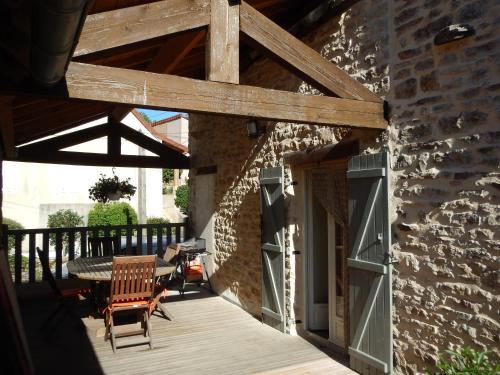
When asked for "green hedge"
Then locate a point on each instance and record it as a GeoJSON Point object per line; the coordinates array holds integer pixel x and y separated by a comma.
{"type": "Point", "coordinates": [182, 198]}
{"type": "Point", "coordinates": [12, 225]}
{"type": "Point", "coordinates": [115, 213]}
{"type": "Point", "coordinates": [157, 220]}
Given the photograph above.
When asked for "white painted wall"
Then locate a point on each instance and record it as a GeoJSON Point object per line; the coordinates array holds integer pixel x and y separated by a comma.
{"type": "Point", "coordinates": [32, 191]}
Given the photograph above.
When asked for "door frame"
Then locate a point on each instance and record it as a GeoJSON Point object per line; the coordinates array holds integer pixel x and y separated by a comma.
{"type": "Point", "coordinates": [307, 266]}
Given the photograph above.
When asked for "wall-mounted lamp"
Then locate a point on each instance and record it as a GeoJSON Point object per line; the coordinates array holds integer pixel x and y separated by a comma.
{"type": "Point", "coordinates": [255, 129]}
{"type": "Point", "coordinates": [453, 33]}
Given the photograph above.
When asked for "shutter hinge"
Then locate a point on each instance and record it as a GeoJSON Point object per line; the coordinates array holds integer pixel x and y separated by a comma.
{"type": "Point", "coordinates": [293, 183]}
{"type": "Point", "coordinates": [390, 259]}
{"type": "Point", "coordinates": [296, 252]}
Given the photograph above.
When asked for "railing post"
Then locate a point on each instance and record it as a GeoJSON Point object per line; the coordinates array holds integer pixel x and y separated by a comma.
{"type": "Point", "coordinates": [149, 234]}
{"type": "Point", "coordinates": [46, 250]}
{"type": "Point", "coordinates": [59, 255]}
{"type": "Point", "coordinates": [18, 258]}
{"type": "Point", "coordinates": [32, 258]}
{"type": "Point", "coordinates": [83, 243]}
{"type": "Point", "coordinates": [71, 244]}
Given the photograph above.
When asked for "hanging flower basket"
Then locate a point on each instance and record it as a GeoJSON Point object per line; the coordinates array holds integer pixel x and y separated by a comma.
{"type": "Point", "coordinates": [111, 189]}
{"type": "Point", "coordinates": [115, 195]}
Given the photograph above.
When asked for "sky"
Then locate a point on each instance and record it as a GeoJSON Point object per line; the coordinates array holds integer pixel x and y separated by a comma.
{"type": "Point", "coordinates": [157, 115]}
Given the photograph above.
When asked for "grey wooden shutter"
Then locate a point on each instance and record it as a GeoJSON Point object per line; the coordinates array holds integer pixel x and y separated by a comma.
{"type": "Point", "coordinates": [272, 247]}
{"type": "Point", "coordinates": [370, 295]}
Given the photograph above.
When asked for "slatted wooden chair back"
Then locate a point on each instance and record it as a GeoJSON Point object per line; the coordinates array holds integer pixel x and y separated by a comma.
{"type": "Point", "coordinates": [104, 246]}
{"type": "Point", "coordinates": [132, 277]}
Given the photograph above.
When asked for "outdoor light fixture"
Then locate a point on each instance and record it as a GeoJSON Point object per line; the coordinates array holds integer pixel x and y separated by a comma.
{"type": "Point", "coordinates": [253, 128]}
{"type": "Point", "coordinates": [452, 33]}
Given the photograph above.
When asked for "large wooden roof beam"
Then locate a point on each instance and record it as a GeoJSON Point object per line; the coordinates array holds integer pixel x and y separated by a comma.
{"type": "Point", "coordinates": [150, 90]}
{"type": "Point", "coordinates": [293, 53]}
{"type": "Point", "coordinates": [51, 150]}
{"type": "Point", "coordinates": [120, 27]}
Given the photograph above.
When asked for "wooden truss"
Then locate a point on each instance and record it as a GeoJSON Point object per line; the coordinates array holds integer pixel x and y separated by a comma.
{"type": "Point", "coordinates": [51, 150]}
{"type": "Point", "coordinates": [346, 101]}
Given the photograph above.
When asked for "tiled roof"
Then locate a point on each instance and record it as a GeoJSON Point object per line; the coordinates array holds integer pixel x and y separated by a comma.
{"type": "Point", "coordinates": [164, 139]}
{"type": "Point", "coordinates": [169, 119]}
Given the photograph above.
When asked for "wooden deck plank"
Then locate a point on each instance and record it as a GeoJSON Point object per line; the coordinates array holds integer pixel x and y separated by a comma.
{"type": "Point", "coordinates": [208, 336]}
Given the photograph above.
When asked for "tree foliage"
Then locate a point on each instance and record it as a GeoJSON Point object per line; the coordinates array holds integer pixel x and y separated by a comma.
{"type": "Point", "coordinates": [114, 213]}
{"type": "Point", "coordinates": [100, 191]}
{"type": "Point", "coordinates": [12, 225]}
{"type": "Point", "coordinates": [182, 198]}
{"type": "Point", "coordinates": [64, 218]}
{"type": "Point", "coordinates": [146, 117]}
{"type": "Point", "coordinates": [168, 175]}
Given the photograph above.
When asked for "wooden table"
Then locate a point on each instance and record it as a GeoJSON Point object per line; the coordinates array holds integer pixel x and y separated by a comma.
{"type": "Point", "coordinates": [99, 269]}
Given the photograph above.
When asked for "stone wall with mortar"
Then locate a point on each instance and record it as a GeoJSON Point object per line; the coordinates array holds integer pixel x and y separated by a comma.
{"type": "Point", "coordinates": [443, 141]}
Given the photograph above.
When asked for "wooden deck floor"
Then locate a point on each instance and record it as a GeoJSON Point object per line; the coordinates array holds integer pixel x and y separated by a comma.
{"type": "Point", "coordinates": [207, 336]}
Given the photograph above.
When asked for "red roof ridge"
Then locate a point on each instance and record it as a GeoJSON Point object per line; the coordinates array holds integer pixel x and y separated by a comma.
{"type": "Point", "coordinates": [168, 119]}
{"type": "Point", "coordinates": [164, 139]}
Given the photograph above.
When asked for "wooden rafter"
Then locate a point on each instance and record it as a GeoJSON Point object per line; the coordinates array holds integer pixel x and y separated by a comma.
{"type": "Point", "coordinates": [303, 59]}
{"type": "Point", "coordinates": [134, 24]}
{"type": "Point", "coordinates": [50, 150]}
{"type": "Point", "coordinates": [150, 90]}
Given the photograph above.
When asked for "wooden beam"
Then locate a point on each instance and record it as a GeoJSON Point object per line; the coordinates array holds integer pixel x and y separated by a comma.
{"type": "Point", "coordinates": [103, 160]}
{"type": "Point", "coordinates": [134, 24]}
{"type": "Point", "coordinates": [49, 150]}
{"type": "Point", "coordinates": [7, 126]}
{"type": "Point", "coordinates": [150, 90]}
{"type": "Point", "coordinates": [166, 60]}
{"type": "Point", "coordinates": [223, 42]}
{"type": "Point", "coordinates": [305, 61]}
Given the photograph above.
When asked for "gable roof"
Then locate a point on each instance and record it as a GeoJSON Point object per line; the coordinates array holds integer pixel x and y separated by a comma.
{"type": "Point", "coordinates": [164, 139]}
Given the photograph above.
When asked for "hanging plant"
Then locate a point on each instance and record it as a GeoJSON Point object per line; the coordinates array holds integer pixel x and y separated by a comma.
{"type": "Point", "coordinates": [111, 188]}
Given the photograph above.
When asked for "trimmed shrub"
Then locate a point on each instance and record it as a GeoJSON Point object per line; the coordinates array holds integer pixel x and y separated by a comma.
{"type": "Point", "coordinates": [182, 198]}
{"type": "Point", "coordinates": [114, 213]}
{"type": "Point", "coordinates": [12, 225]}
{"type": "Point", "coordinates": [157, 220]}
{"type": "Point", "coordinates": [64, 219]}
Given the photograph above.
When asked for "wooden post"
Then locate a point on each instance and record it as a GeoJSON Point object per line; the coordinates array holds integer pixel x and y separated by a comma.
{"type": "Point", "coordinates": [223, 42]}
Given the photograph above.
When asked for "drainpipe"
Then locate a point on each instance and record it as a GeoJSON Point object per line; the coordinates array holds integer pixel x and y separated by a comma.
{"type": "Point", "coordinates": [56, 26]}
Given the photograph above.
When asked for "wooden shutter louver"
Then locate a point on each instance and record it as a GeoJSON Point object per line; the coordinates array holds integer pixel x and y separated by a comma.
{"type": "Point", "coordinates": [370, 294]}
{"type": "Point", "coordinates": [272, 247]}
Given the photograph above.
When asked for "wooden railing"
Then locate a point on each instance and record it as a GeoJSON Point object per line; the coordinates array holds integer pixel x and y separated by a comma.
{"type": "Point", "coordinates": [69, 243]}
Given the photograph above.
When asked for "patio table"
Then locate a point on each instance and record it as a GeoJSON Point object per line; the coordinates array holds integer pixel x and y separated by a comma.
{"type": "Point", "coordinates": [98, 269]}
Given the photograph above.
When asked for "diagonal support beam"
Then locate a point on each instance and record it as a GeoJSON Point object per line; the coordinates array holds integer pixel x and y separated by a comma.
{"type": "Point", "coordinates": [305, 61]}
{"type": "Point", "coordinates": [49, 150]}
{"type": "Point", "coordinates": [120, 27]}
{"type": "Point", "coordinates": [150, 90]}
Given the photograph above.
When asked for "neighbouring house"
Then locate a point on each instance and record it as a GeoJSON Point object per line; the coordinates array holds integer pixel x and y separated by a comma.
{"type": "Point", "coordinates": [173, 131]}
{"type": "Point", "coordinates": [32, 191]}
{"type": "Point", "coordinates": [281, 209]}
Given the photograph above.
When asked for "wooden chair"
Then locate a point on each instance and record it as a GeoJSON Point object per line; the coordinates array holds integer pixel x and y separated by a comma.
{"type": "Point", "coordinates": [170, 256]}
{"type": "Point", "coordinates": [132, 287]}
{"type": "Point", "coordinates": [66, 296]}
{"type": "Point", "coordinates": [104, 246]}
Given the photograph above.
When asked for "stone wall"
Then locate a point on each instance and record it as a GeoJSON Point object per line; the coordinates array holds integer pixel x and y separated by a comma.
{"type": "Point", "coordinates": [443, 141]}
{"type": "Point", "coordinates": [445, 145]}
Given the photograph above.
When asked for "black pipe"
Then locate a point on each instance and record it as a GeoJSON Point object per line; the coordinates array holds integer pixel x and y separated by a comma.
{"type": "Point", "coordinates": [55, 27]}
